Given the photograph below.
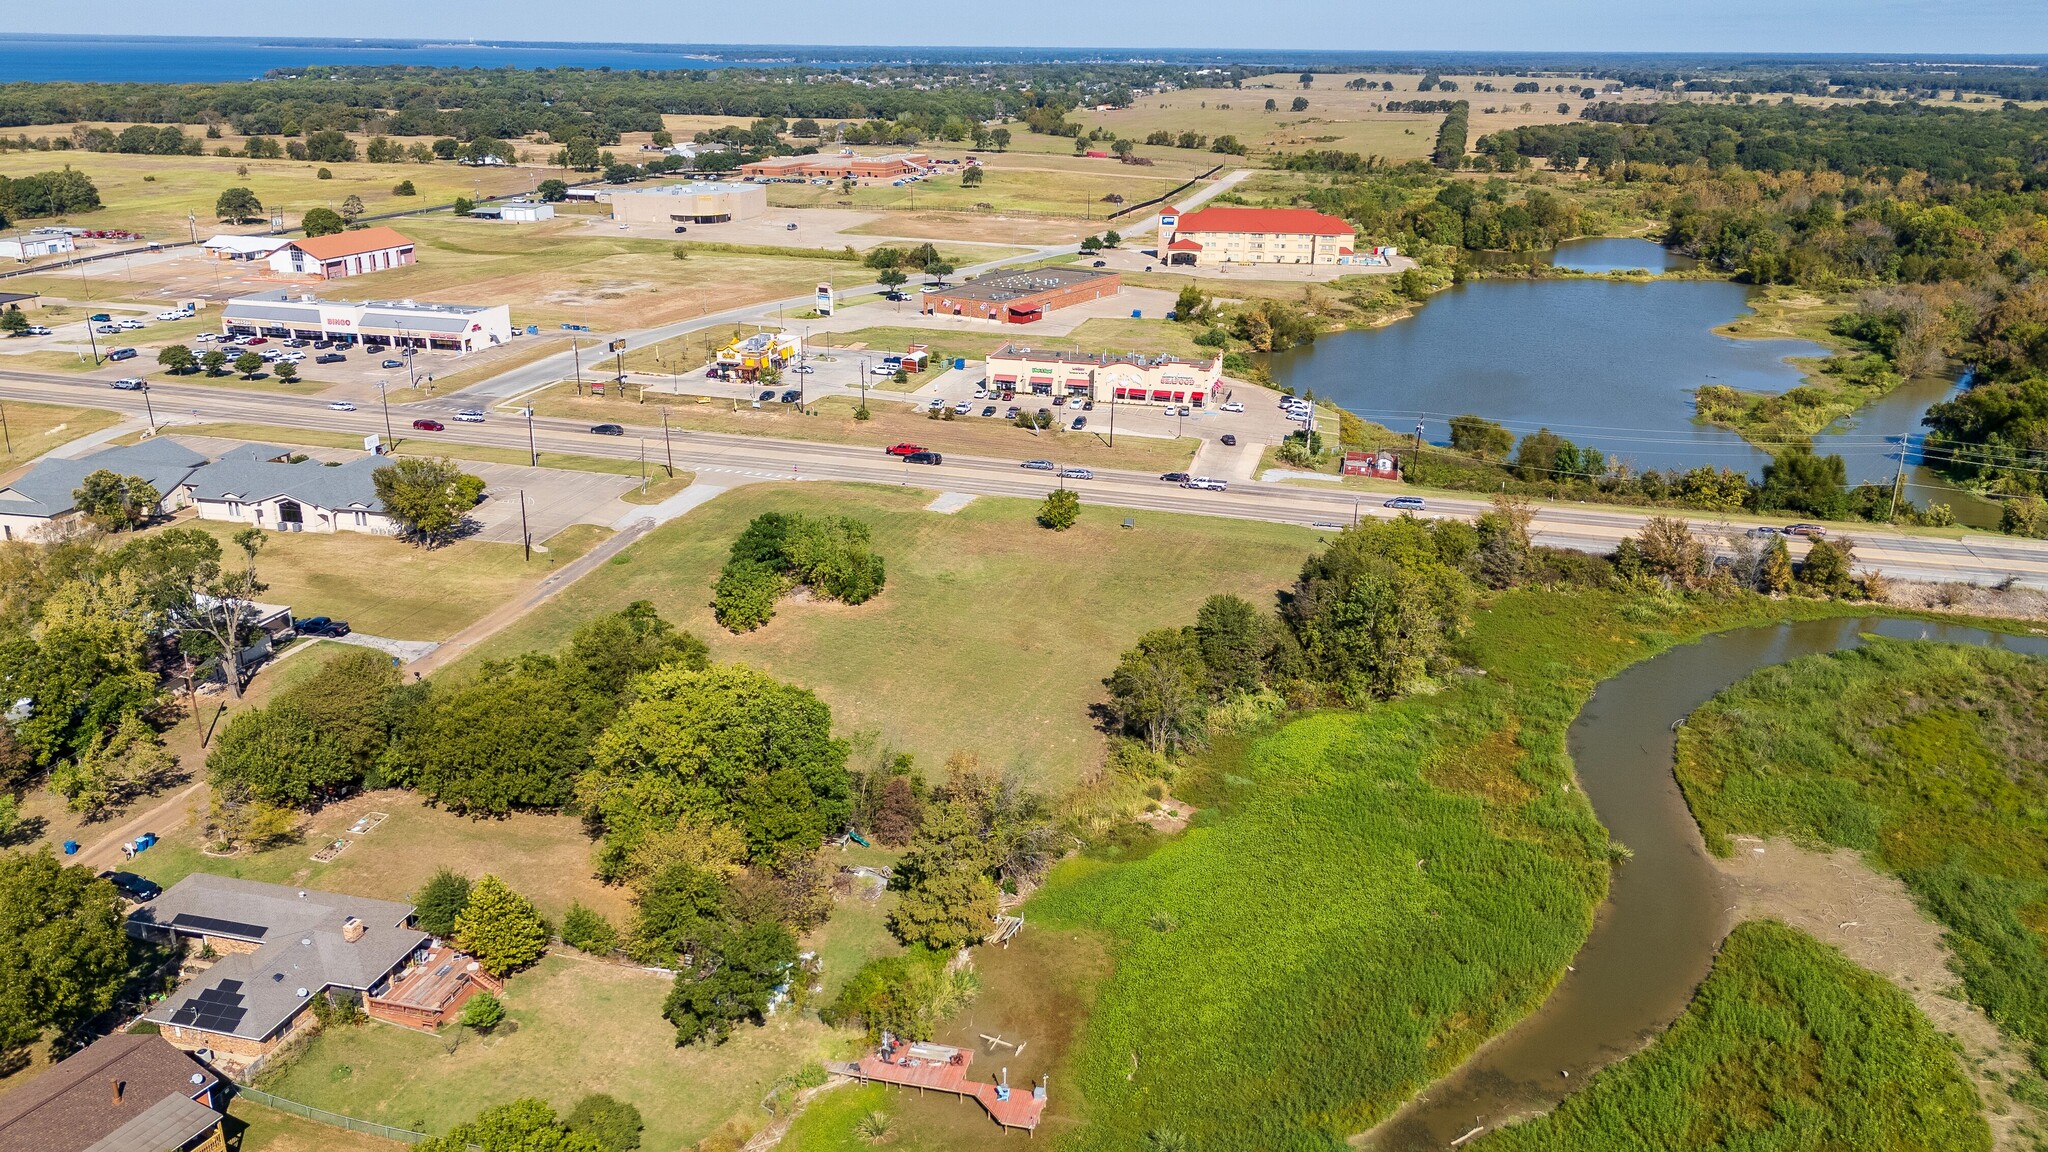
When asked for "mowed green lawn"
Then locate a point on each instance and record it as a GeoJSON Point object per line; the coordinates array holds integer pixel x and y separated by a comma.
{"type": "Point", "coordinates": [33, 429]}
{"type": "Point", "coordinates": [992, 636]}
{"type": "Point", "coordinates": [1005, 188]}
{"type": "Point", "coordinates": [581, 1026]}
{"type": "Point", "coordinates": [155, 195]}
{"type": "Point", "coordinates": [386, 587]}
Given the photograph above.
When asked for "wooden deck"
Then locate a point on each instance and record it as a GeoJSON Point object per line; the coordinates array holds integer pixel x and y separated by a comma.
{"type": "Point", "coordinates": [1021, 1110]}
{"type": "Point", "coordinates": [427, 996]}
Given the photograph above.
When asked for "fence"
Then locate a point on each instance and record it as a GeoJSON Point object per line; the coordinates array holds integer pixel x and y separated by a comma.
{"type": "Point", "coordinates": [334, 1119]}
{"type": "Point", "coordinates": [1127, 209]}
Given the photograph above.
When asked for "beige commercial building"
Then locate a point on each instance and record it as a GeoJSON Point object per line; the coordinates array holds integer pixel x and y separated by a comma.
{"type": "Point", "coordinates": [1233, 235]}
{"type": "Point", "coordinates": [699, 203]}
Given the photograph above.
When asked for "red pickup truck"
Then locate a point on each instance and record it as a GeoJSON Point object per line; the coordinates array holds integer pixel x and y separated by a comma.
{"type": "Point", "coordinates": [903, 449]}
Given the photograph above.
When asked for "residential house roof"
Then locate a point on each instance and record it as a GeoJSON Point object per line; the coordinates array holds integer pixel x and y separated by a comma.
{"type": "Point", "coordinates": [46, 489]}
{"type": "Point", "coordinates": [302, 949]}
{"type": "Point", "coordinates": [248, 245]}
{"type": "Point", "coordinates": [1285, 221]}
{"type": "Point", "coordinates": [71, 1107]}
{"type": "Point", "coordinates": [356, 243]}
{"type": "Point", "coordinates": [251, 477]}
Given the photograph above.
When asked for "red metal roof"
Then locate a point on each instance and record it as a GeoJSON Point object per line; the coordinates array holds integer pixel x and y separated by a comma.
{"type": "Point", "coordinates": [1296, 221]}
{"type": "Point", "coordinates": [357, 243]}
{"type": "Point", "coordinates": [1183, 246]}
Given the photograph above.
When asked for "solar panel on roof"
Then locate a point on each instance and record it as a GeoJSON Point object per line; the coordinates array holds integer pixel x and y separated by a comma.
{"type": "Point", "coordinates": [215, 924]}
{"type": "Point", "coordinates": [229, 986]}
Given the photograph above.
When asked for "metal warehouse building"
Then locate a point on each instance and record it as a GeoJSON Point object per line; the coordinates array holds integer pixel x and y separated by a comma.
{"type": "Point", "coordinates": [1021, 297]}
{"type": "Point", "coordinates": [699, 203]}
{"type": "Point", "coordinates": [406, 323]}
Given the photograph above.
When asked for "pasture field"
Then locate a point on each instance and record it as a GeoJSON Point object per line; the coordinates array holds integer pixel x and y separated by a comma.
{"type": "Point", "coordinates": [1008, 185]}
{"type": "Point", "coordinates": [991, 635]}
{"type": "Point", "coordinates": [1929, 760]}
{"type": "Point", "coordinates": [33, 429]}
{"type": "Point", "coordinates": [1786, 1044]}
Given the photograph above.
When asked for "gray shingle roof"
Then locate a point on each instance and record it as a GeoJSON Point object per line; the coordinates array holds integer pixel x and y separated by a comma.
{"type": "Point", "coordinates": [237, 476]}
{"type": "Point", "coordinates": [70, 1107]}
{"type": "Point", "coordinates": [165, 1126]}
{"type": "Point", "coordinates": [302, 947]}
{"type": "Point", "coordinates": [46, 489]}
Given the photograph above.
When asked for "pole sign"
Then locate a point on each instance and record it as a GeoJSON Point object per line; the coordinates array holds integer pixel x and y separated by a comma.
{"type": "Point", "coordinates": [825, 300]}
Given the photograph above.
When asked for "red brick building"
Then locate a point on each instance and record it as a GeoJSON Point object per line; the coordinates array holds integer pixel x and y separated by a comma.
{"type": "Point", "coordinates": [1020, 297]}
{"type": "Point", "coordinates": [843, 166]}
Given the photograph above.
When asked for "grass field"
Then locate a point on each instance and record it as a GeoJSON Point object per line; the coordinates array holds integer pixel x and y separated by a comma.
{"type": "Point", "coordinates": [543, 857]}
{"type": "Point", "coordinates": [386, 587]}
{"type": "Point", "coordinates": [581, 1027]}
{"type": "Point", "coordinates": [991, 635]}
{"type": "Point", "coordinates": [1294, 907]}
{"type": "Point", "coordinates": [33, 429]}
{"type": "Point", "coordinates": [891, 421]}
{"type": "Point", "coordinates": [155, 195]}
{"type": "Point", "coordinates": [1930, 760]}
{"type": "Point", "coordinates": [1787, 1045]}
{"type": "Point", "coordinates": [261, 1129]}
{"type": "Point", "coordinates": [1008, 185]}
{"type": "Point", "coordinates": [413, 446]}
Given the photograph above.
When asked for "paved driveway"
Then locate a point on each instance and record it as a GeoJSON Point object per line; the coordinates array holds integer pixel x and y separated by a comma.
{"type": "Point", "coordinates": [555, 499]}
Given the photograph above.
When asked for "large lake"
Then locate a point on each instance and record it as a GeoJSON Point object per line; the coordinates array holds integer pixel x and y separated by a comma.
{"type": "Point", "coordinates": [1607, 363]}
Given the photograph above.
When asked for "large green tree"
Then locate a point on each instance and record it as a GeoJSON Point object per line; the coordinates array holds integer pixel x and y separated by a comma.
{"type": "Point", "coordinates": [429, 497]}
{"type": "Point", "coordinates": [238, 206]}
{"type": "Point", "coordinates": [439, 901]}
{"type": "Point", "coordinates": [1377, 611]}
{"type": "Point", "coordinates": [524, 1125]}
{"type": "Point", "coordinates": [112, 502]}
{"type": "Point", "coordinates": [730, 978]}
{"type": "Point", "coordinates": [725, 744]}
{"type": "Point", "coordinates": [499, 927]}
{"type": "Point", "coordinates": [281, 757]}
{"type": "Point", "coordinates": [322, 222]}
{"type": "Point", "coordinates": [62, 950]}
{"type": "Point", "coordinates": [1156, 690]}
{"type": "Point", "coordinates": [509, 739]}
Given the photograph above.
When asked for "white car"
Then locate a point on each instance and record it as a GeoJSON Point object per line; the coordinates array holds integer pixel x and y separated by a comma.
{"type": "Point", "coordinates": [130, 325]}
{"type": "Point", "coordinates": [803, 369]}
{"type": "Point", "coordinates": [38, 330]}
{"type": "Point", "coordinates": [1234, 406]}
{"type": "Point", "coordinates": [1076, 403]}
{"type": "Point", "coordinates": [962, 408]}
{"type": "Point", "coordinates": [470, 416]}
{"type": "Point", "coordinates": [173, 315]}
{"type": "Point", "coordinates": [205, 338]}
{"type": "Point", "coordinates": [342, 406]}
{"type": "Point", "coordinates": [292, 357]}
{"type": "Point", "coordinates": [883, 370]}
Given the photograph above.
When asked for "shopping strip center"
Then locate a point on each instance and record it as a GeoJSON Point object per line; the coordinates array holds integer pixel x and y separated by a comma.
{"type": "Point", "coordinates": [293, 312]}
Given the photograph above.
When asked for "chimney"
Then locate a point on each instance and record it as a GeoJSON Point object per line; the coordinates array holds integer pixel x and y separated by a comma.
{"type": "Point", "coordinates": [115, 1086]}
{"type": "Point", "coordinates": [352, 929]}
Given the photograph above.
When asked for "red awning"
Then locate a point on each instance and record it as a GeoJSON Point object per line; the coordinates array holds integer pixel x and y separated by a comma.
{"type": "Point", "coordinates": [1197, 397]}
{"type": "Point", "coordinates": [1161, 394]}
{"type": "Point", "coordinates": [1006, 379]}
{"type": "Point", "coordinates": [1025, 309]}
{"type": "Point", "coordinates": [1180, 395]}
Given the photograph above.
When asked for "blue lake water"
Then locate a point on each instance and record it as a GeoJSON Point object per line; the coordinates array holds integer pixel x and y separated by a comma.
{"type": "Point", "coordinates": [1611, 364]}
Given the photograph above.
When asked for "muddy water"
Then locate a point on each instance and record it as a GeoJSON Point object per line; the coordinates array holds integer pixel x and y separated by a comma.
{"type": "Point", "coordinates": [1666, 910]}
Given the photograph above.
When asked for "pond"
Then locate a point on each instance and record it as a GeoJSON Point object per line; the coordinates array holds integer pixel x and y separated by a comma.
{"type": "Point", "coordinates": [1606, 363]}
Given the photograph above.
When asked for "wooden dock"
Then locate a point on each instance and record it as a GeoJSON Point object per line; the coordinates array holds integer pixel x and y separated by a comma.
{"type": "Point", "coordinates": [1021, 1110]}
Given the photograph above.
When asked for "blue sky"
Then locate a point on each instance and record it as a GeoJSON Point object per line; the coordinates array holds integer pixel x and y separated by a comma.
{"type": "Point", "coordinates": [1889, 26]}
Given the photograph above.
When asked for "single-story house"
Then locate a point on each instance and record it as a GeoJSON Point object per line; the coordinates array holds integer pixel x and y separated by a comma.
{"type": "Point", "coordinates": [250, 485]}
{"type": "Point", "coordinates": [39, 500]}
{"type": "Point", "coordinates": [279, 947]}
{"type": "Point", "coordinates": [125, 1093]}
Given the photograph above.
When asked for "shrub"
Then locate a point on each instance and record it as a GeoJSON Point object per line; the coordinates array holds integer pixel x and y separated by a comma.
{"type": "Point", "coordinates": [1062, 507]}
{"type": "Point", "coordinates": [614, 1124]}
{"type": "Point", "coordinates": [404, 188]}
{"type": "Point", "coordinates": [500, 928]}
{"type": "Point", "coordinates": [483, 1012]}
{"type": "Point", "coordinates": [440, 901]}
{"type": "Point", "coordinates": [586, 930]}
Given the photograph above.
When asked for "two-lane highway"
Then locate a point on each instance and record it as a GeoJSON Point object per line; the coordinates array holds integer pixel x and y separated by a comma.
{"type": "Point", "coordinates": [1975, 557]}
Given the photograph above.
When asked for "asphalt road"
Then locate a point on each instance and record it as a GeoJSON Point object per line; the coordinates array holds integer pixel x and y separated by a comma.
{"type": "Point", "coordinates": [544, 372]}
{"type": "Point", "coordinates": [1976, 557]}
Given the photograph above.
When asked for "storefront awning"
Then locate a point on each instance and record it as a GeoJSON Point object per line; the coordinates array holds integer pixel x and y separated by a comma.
{"type": "Point", "coordinates": [1161, 394]}
{"type": "Point", "coordinates": [1006, 379]}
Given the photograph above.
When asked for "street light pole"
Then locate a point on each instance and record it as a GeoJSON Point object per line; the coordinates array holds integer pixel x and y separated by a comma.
{"type": "Point", "coordinates": [532, 452]}
{"type": "Point", "coordinates": [384, 402]}
{"type": "Point", "coordinates": [525, 535]}
{"type": "Point", "coordinates": [149, 408]}
{"type": "Point", "coordinates": [667, 451]}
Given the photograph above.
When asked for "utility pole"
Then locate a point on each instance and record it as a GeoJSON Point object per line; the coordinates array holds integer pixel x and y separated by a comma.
{"type": "Point", "coordinates": [668, 453]}
{"type": "Point", "coordinates": [1112, 421]}
{"type": "Point", "coordinates": [5, 433]}
{"type": "Point", "coordinates": [643, 463]}
{"type": "Point", "coordinates": [576, 354]}
{"type": "Point", "coordinates": [149, 408]}
{"type": "Point", "coordinates": [384, 401]}
{"type": "Point", "coordinates": [532, 452]}
{"type": "Point", "coordinates": [1898, 483]}
{"type": "Point", "coordinates": [525, 535]}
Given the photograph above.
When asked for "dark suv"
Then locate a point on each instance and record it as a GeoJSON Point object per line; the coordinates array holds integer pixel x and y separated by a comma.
{"type": "Point", "coordinates": [924, 458]}
{"type": "Point", "coordinates": [140, 889]}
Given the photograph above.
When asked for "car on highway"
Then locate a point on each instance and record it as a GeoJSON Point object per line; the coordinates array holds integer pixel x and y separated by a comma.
{"type": "Point", "coordinates": [1206, 484]}
{"type": "Point", "coordinates": [903, 449]}
{"type": "Point", "coordinates": [989, 411]}
{"type": "Point", "coordinates": [1174, 477]}
{"type": "Point", "coordinates": [682, 228]}
{"type": "Point", "coordinates": [330, 358]}
{"type": "Point", "coordinates": [139, 889]}
{"type": "Point", "coordinates": [392, 364]}
{"type": "Point", "coordinates": [1761, 532]}
{"type": "Point", "coordinates": [127, 384]}
{"type": "Point", "coordinates": [430, 425]}
{"type": "Point", "coordinates": [1234, 406]}
{"type": "Point", "coordinates": [607, 430]}
{"type": "Point", "coordinates": [470, 416]}
{"type": "Point", "coordinates": [1076, 474]}
{"type": "Point", "coordinates": [1229, 441]}
{"type": "Point", "coordinates": [1813, 531]}
{"type": "Point", "coordinates": [924, 458]}
{"type": "Point", "coordinates": [1079, 423]}
{"type": "Point", "coordinates": [1404, 503]}
{"type": "Point", "coordinates": [767, 395]}
{"type": "Point", "coordinates": [343, 406]}
{"type": "Point", "coordinates": [1039, 465]}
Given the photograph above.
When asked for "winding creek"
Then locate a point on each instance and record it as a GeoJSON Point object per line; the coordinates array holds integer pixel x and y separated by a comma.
{"type": "Point", "coordinates": [1609, 363]}
{"type": "Point", "coordinates": [1666, 911]}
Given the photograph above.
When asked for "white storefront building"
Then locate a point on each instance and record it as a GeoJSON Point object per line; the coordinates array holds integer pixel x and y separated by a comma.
{"type": "Point", "coordinates": [286, 312]}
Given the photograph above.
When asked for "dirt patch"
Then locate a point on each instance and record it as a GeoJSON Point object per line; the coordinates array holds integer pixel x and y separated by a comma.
{"type": "Point", "coordinates": [590, 295]}
{"type": "Point", "coordinates": [1838, 899]}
